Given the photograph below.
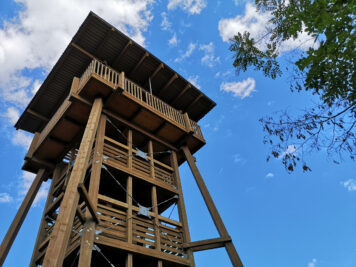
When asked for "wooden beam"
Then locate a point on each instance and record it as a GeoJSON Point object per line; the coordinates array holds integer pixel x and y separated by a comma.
{"type": "Point", "coordinates": [126, 122]}
{"type": "Point", "coordinates": [80, 215]}
{"type": "Point", "coordinates": [21, 215]}
{"type": "Point", "coordinates": [160, 127]}
{"type": "Point", "coordinates": [181, 207]}
{"type": "Point", "coordinates": [234, 257]}
{"type": "Point", "coordinates": [116, 60]}
{"type": "Point", "coordinates": [176, 99]}
{"type": "Point", "coordinates": [146, 54]}
{"type": "Point", "coordinates": [171, 80]}
{"type": "Point", "coordinates": [193, 103]}
{"type": "Point", "coordinates": [37, 115]}
{"type": "Point", "coordinates": [62, 229]}
{"type": "Point", "coordinates": [87, 240]}
{"type": "Point", "coordinates": [84, 194]}
{"type": "Point", "coordinates": [107, 36]}
{"type": "Point", "coordinates": [42, 234]}
{"type": "Point", "coordinates": [207, 244]}
{"type": "Point", "coordinates": [85, 52]}
{"type": "Point", "coordinates": [160, 66]}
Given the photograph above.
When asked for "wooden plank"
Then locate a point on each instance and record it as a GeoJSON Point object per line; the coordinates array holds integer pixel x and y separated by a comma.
{"type": "Point", "coordinates": [234, 257]}
{"type": "Point", "coordinates": [116, 60]}
{"type": "Point", "coordinates": [32, 146]}
{"type": "Point", "coordinates": [181, 208]}
{"type": "Point", "coordinates": [142, 250]}
{"type": "Point", "coordinates": [139, 63]}
{"type": "Point", "coordinates": [62, 229]}
{"type": "Point", "coordinates": [37, 115]}
{"type": "Point", "coordinates": [182, 92]}
{"type": "Point", "coordinates": [84, 194]}
{"type": "Point", "coordinates": [207, 244]}
{"type": "Point", "coordinates": [21, 215]}
{"type": "Point", "coordinates": [41, 235]}
{"type": "Point", "coordinates": [126, 122]}
{"type": "Point", "coordinates": [129, 260]}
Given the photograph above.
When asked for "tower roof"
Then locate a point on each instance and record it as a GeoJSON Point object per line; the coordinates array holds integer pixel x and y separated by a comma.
{"type": "Point", "coordinates": [96, 38]}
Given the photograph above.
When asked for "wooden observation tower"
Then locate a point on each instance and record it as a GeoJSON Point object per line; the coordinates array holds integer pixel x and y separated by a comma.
{"type": "Point", "coordinates": [111, 125]}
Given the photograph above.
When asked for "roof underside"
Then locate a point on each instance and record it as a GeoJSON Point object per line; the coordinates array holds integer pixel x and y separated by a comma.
{"type": "Point", "coordinates": [97, 38]}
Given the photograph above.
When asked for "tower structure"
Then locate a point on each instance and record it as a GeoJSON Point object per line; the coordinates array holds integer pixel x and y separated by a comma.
{"type": "Point", "coordinates": [111, 125]}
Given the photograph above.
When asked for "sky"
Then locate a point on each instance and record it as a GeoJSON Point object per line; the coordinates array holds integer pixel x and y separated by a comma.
{"type": "Point", "coordinates": [275, 219]}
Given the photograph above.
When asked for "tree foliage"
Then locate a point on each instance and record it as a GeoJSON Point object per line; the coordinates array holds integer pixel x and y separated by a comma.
{"type": "Point", "coordinates": [326, 69]}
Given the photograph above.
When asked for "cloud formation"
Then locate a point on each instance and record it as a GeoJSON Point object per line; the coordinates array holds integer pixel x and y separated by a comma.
{"type": "Point", "coordinates": [43, 28]}
{"type": "Point", "coordinates": [350, 185]}
{"type": "Point", "coordinates": [5, 198]}
{"type": "Point", "coordinates": [239, 89]}
{"type": "Point", "coordinates": [209, 58]}
{"type": "Point", "coordinates": [256, 23]}
{"type": "Point", "coordinates": [190, 6]}
{"type": "Point", "coordinates": [187, 53]}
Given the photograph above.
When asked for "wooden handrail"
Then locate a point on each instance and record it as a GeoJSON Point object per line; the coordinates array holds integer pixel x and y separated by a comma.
{"type": "Point", "coordinates": [118, 79]}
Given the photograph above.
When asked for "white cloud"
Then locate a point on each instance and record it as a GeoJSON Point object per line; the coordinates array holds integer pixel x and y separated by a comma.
{"type": "Point", "coordinates": [238, 159]}
{"type": "Point", "coordinates": [5, 198]}
{"type": "Point", "coordinates": [35, 86]}
{"type": "Point", "coordinates": [165, 24]}
{"type": "Point", "coordinates": [21, 139]}
{"type": "Point", "coordinates": [173, 41]}
{"type": "Point", "coordinates": [209, 58]}
{"type": "Point", "coordinates": [256, 23]}
{"type": "Point", "coordinates": [194, 80]}
{"type": "Point", "coordinates": [239, 89]}
{"type": "Point", "coordinates": [312, 263]}
{"type": "Point", "coordinates": [12, 114]}
{"type": "Point", "coordinates": [191, 6]}
{"type": "Point", "coordinates": [43, 28]}
{"type": "Point", "coordinates": [291, 149]}
{"type": "Point", "coordinates": [350, 185]}
{"type": "Point", "coordinates": [270, 175]}
{"type": "Point", "coordinates": [26, 182]}
{"type": "Point", "coordinates": [188, 53]}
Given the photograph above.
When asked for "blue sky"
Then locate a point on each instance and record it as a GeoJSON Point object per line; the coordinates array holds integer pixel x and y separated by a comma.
{"type": "Point", "coordinates": [275, 219]}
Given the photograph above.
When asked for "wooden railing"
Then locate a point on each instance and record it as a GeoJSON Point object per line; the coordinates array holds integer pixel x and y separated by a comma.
{"type": "Point", "coordinates": [113, 224]}
{"type": "Point", "coordinates": [118, 154]}
{"type": "Point", "coordinates": [143, 96]}
{"type": "Point", "coordinates": [154, 102]}
{"type": "Point", "coordinates": [196, 128]}
{"type": "Point", "coordinates": [171, 237]}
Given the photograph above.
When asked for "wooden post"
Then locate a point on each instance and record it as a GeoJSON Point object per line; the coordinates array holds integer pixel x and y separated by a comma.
{"type": "Point", "coordinates": [62, 229]}
{"type": "Point", "coordinates": [181, 207]}
{"type": "Point", "coordinates": [21, 215]}
{"type": "Point", "coordinates": [129, 144]}
{"type": "Point", "coordinates": [87, 241]}
{"type": "Point", "coordinates": [129, 260]}
{"type": "Point", "coordinates": [187, 123]}
{"type": "Point", "coordinates": [156, 220]}
{"type": "Point", "coordinates": [41, 231]}
{"type": "Point", "coordinates": [154, 198]}
{"type": "Point", "coordinates": [234, 257]}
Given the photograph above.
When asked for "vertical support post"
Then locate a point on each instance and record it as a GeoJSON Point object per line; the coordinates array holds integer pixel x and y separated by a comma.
{"type": "Point", "coordinates": [129, 144]}
{"type": "Point", "coordinates": [62, 229]}
{"type": "Point", "coordinates": [181, 207]}
{"type": "Point", "coordinates": [187, 123]}
{"type": "Point", "coordinates": [156, 220]}
{"type": "Point", "coordinates": [230, 248]}
{"type": "Point", "coordinates": [41, 231]}
{"type": "Point", "coordinates": [154, 199]}
{"type": "Point", "coordinates": [129, 260]}
{"type": "Point", "coordinates": [87, 240]}
{"type": "Point", "coordinates": [21, 215]}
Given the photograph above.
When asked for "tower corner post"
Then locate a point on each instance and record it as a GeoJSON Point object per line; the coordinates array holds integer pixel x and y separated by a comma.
{"type": "Point", "coordinates": [62, 229]}
{"type": "Point", "coordinates": [229, 246]}
{"type": "Point", "coordinates": [21, 215]}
